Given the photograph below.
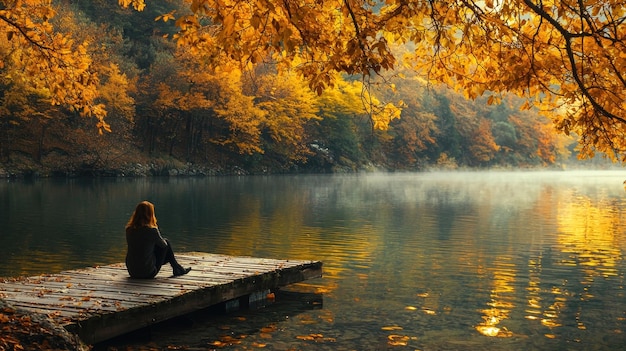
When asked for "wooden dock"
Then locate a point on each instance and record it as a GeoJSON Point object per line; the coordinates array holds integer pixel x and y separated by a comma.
{"type": "Point", "coordinates": [100, 303]}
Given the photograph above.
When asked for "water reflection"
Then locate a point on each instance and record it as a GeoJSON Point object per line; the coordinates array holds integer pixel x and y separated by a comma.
{"type": "Point", "coordinates": [589, 233]}
{"type": "Point", "coordinates": [503, 274]}
{"type": "Point", "coordinates": [480, 261]}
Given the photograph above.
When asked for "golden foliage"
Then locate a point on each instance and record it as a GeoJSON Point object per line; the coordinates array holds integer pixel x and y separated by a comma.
{"type": "Point", "coordinates": [566, 57]}
{"type": "Point", "coordinates": [483, 146]}
{"type": "Point", "coordinates": [36, 54]}
{"type": "Point", "coordinates": [288, 105]}
{"type": "Point", "coordinates": [114, 91]}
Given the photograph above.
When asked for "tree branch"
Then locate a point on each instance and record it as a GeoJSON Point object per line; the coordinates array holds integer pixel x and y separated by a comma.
{"type": "Point", "coordinates": [24, 34]}
{"type": "Point", "coordinates": [568, 36]}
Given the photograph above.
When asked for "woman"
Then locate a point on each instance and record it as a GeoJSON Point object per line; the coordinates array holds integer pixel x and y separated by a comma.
{"type": "Point", "coordinates": [147, 250]}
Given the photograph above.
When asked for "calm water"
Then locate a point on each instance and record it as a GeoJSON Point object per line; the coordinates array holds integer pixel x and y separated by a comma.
{"type": "Point", "coordinates": [434, 261]}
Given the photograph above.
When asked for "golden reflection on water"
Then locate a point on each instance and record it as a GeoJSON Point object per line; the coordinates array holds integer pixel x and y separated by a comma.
{"type": "Point", "coordinates": [501, 303]}
{"type": "Point", "coordinates": [587, 231]}
{"type": "Point", "coordinates": [588, 234]}
{"type": "Point", "coordinates": [290, 233]}
{"type": "Point", "coordinates": [451, 267]}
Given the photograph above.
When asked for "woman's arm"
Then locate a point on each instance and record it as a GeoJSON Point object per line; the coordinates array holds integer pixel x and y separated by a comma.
{"type": "Point", "coordinates": [160, 241]}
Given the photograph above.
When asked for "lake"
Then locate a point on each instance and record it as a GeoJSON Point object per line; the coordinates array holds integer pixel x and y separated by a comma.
{"type": "Point", "coordinates": [420, 261]}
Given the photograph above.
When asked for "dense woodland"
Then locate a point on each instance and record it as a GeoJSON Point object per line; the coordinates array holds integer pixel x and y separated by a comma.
{"type": "Point", "coordinates": [170, 109]}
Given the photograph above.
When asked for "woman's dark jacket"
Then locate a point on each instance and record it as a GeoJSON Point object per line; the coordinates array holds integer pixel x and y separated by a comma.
{"type": "Point", "coordinates": [140, 257]}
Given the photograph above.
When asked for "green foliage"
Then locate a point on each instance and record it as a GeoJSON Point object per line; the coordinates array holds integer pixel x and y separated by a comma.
{"type": "Point", "coordinates": [142, 35]}
{"type": "Point", "coordinates": [505, 134]}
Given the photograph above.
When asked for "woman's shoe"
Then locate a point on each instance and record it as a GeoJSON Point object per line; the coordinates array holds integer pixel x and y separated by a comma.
{"type": "Point", "coordinates": [181, 271]}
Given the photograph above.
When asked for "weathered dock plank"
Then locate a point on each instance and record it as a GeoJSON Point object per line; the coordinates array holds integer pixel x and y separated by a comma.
{"type": "Point", "coordinates": [99, 303]}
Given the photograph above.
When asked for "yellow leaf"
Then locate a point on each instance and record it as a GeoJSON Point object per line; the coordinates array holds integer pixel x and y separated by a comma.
{"type": "Point", "coordinates": [229, 24]}
{"type": "Point", "coordinates": [392, 327]}
{"type": "Point", "coordinates": [398, 340]}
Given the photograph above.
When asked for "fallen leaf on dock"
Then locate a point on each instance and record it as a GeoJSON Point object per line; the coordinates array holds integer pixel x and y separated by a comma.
{"type": "Point", "coordinates": [268, 329]}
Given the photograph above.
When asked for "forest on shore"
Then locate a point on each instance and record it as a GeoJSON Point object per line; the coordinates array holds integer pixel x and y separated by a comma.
{"type": "Point", "coordinates": [169, 113]}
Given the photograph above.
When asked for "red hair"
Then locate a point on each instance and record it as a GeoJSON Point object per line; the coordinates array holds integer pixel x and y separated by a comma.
{"type": "Point", "coordinates": [143, 216]}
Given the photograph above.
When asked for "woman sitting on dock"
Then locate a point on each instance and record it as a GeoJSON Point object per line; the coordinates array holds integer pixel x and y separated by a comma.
{"type": "Point", "coordinates": [147, 250]}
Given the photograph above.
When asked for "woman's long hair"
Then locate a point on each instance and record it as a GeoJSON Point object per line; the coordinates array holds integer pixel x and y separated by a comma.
{"type": "Point", "coordinates": [143, 216]}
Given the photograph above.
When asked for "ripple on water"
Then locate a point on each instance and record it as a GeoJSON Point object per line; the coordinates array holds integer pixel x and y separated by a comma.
{"type": "Point", "coordinates": [480, 261]}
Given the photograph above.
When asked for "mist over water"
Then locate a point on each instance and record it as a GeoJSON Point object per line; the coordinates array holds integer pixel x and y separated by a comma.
{"type": "Point", "coordinates": [428, 261]}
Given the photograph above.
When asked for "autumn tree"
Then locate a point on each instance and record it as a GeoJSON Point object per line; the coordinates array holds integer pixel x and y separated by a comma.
{"type": "Point", "coordinates": [242, 118]}
{"type": "Point", "coordinates": [413, 136]}
{"type": "Point", "coordinates": [195, 106]}
{"type": "Point", "coordinates": [217, 93]}
{"type": "Point", "coordinates": [210, 90]}
{"type": "Point", "coordinates": [483, 146]}
{"type": "Point", "coordinates": [341, 131]}
{"type": "Point", "coordinates": [447, 127]}
{"type": "Point", "coordinates": [176, 98]}
{"type": "Point", "coordinates": [536, 143]}
{"type": "Point", "coordinates": [142, 34]}
{"type": "Point", "coordinates": [564, 56]}
{"type": "Point", "coordinates": [24, 118]}
{"type": "Point", "coordinates": [49, 60]}
{"type": "Point", "coordinates": [290, 107]}
{"type": "Point", "coordinates": [475, 141]}
{"type": "Point", "coordinates": [51, 131]}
